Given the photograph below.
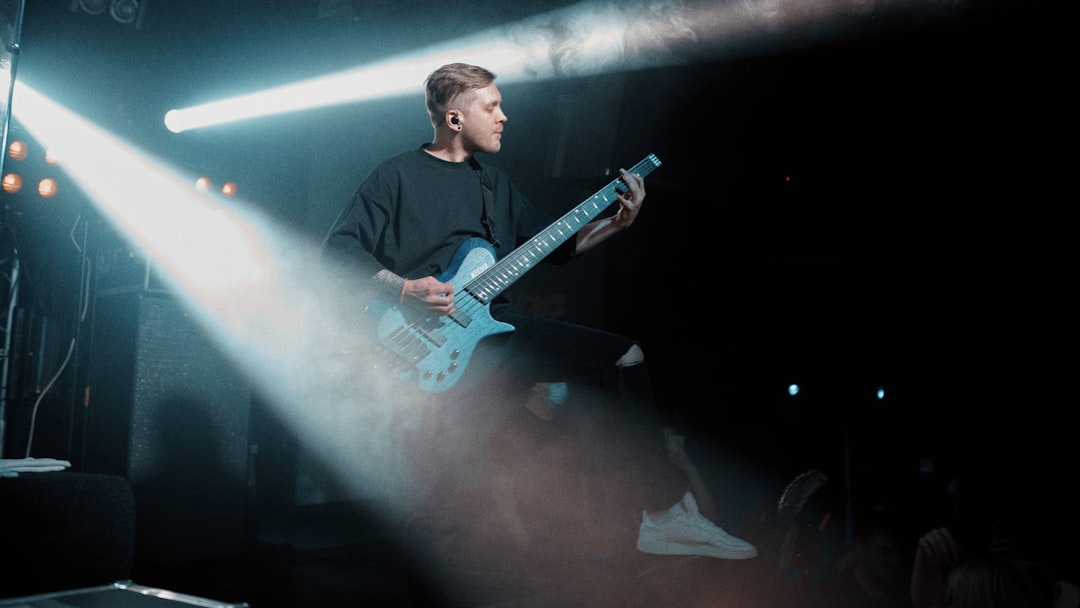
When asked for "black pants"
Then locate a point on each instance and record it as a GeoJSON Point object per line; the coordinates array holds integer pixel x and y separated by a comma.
{"type": "Point", "coordinates": [629, 419]}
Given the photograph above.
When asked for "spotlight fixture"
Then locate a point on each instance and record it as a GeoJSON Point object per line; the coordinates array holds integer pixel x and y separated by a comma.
{"type": "Point", "coordinates": [47, 187]}
{"type": "Point", "coordinates": [12, 183]}
{"type": "Point", "coordinates": [93, 7]}
{"type": "Point", "coordinates": [125, 12]}
{"type": "Point", "coordinates": [17, 150]}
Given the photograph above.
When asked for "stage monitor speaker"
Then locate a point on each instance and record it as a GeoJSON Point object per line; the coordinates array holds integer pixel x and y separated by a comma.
{"type": "Point", "coordinates": [166, 410]}
{"type": "Point", "coordinates": [122, 594]}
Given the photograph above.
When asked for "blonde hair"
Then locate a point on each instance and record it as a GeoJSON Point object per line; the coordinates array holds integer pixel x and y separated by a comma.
{"type": "Point", "coordinates": [448, 82]}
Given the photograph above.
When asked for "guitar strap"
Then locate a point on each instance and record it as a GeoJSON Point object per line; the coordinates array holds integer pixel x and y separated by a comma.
{"type": "Point", "coordinates": [488, 220]}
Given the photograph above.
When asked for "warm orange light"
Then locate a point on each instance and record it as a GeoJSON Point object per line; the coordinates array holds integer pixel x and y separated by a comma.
{"type": "Point", "coordinates": [202, 184]}
{"type": "Point", "coordinates": [17, 150]}
{"type": "Point", "coordinates": [229, 188]}
{"type": "Point", "coordinates": [47, 187]}
{"type": "Point", "coordinates": [51, 158]}
{"type": "Point", "coordinates": [12, 183]}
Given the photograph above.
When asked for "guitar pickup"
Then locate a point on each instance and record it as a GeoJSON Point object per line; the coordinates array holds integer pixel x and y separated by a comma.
{"type": "Point", "coordinates": [409, 346]}
{"type": "Point", "coordinates": [430, 332]}
{"type": "Point", "coordinates": [460, 318]}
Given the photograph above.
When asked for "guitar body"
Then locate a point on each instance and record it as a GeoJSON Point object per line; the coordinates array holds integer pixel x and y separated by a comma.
{"type": "Point", "coordinates": [432, 352]}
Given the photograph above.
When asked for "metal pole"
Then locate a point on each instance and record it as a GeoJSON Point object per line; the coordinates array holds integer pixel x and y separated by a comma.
{"type": "Point", "coordinates": [13, 297]}
{"type": "Point", "coordinates": [14, 48]}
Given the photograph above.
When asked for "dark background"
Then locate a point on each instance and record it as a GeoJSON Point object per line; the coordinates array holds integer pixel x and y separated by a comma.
{"type": "Point", "coordinates": [879, 204]}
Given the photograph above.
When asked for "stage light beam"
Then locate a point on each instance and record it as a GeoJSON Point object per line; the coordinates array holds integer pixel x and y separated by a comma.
{"type": "Point", "coordinates": [250, 285]}
{"type": "Point", "coordinates": [581, 40]}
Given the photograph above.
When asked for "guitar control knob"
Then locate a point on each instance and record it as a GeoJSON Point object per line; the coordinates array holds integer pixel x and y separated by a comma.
{"type": "Point", "coordinates": [452, 368]}
{"type": "Point", "coordinates": [427, 375]}
{"type": "Point", "coordinates": [441, 377]}
{"type": "Point", "coordinates": [454, 354]}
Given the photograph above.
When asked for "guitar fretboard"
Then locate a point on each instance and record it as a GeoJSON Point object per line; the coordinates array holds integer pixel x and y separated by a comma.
{"type": "Point", "coordinates": [501, 275]}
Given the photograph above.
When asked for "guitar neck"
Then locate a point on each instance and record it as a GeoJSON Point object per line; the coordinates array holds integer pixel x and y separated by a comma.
{"type": "Point", "coordinates": [502, 274]}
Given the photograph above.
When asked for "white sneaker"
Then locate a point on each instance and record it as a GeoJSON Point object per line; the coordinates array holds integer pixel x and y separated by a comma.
{"type": "Point", "coordinates": [682, 530]}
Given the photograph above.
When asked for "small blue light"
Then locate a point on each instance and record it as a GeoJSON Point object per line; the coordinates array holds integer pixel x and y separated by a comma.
{"type": "Point", "coordinates": [793, 389]}
{"type": "Point", "coordinates": [881, 392]}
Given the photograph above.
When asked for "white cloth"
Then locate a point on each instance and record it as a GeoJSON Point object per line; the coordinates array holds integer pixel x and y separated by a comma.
{"type": "Point", "coordinates": [14, 466]}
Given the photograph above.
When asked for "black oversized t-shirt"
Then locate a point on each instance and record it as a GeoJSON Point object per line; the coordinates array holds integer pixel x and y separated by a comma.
{"type": "Point", "coordinates": [414, 210]}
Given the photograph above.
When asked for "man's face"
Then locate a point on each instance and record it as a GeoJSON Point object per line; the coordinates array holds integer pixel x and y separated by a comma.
{"type": "Point", "coordinates": [482, 120]}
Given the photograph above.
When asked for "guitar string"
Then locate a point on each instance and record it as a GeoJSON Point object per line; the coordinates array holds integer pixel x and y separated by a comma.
{"type": "Point", "coordinates": [643, 168]}
{"type": "Point", "coordinates": [493, 279]}
{"type": "Point", "coordinates": [475, 291]}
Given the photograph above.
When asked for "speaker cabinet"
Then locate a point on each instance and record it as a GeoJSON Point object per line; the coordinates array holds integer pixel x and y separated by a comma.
{"type": "Point", "coordinates": [166, 410]}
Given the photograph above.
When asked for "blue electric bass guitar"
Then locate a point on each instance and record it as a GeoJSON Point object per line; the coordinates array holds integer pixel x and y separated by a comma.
{"type": "Point", "coordinates": [432, 352]}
